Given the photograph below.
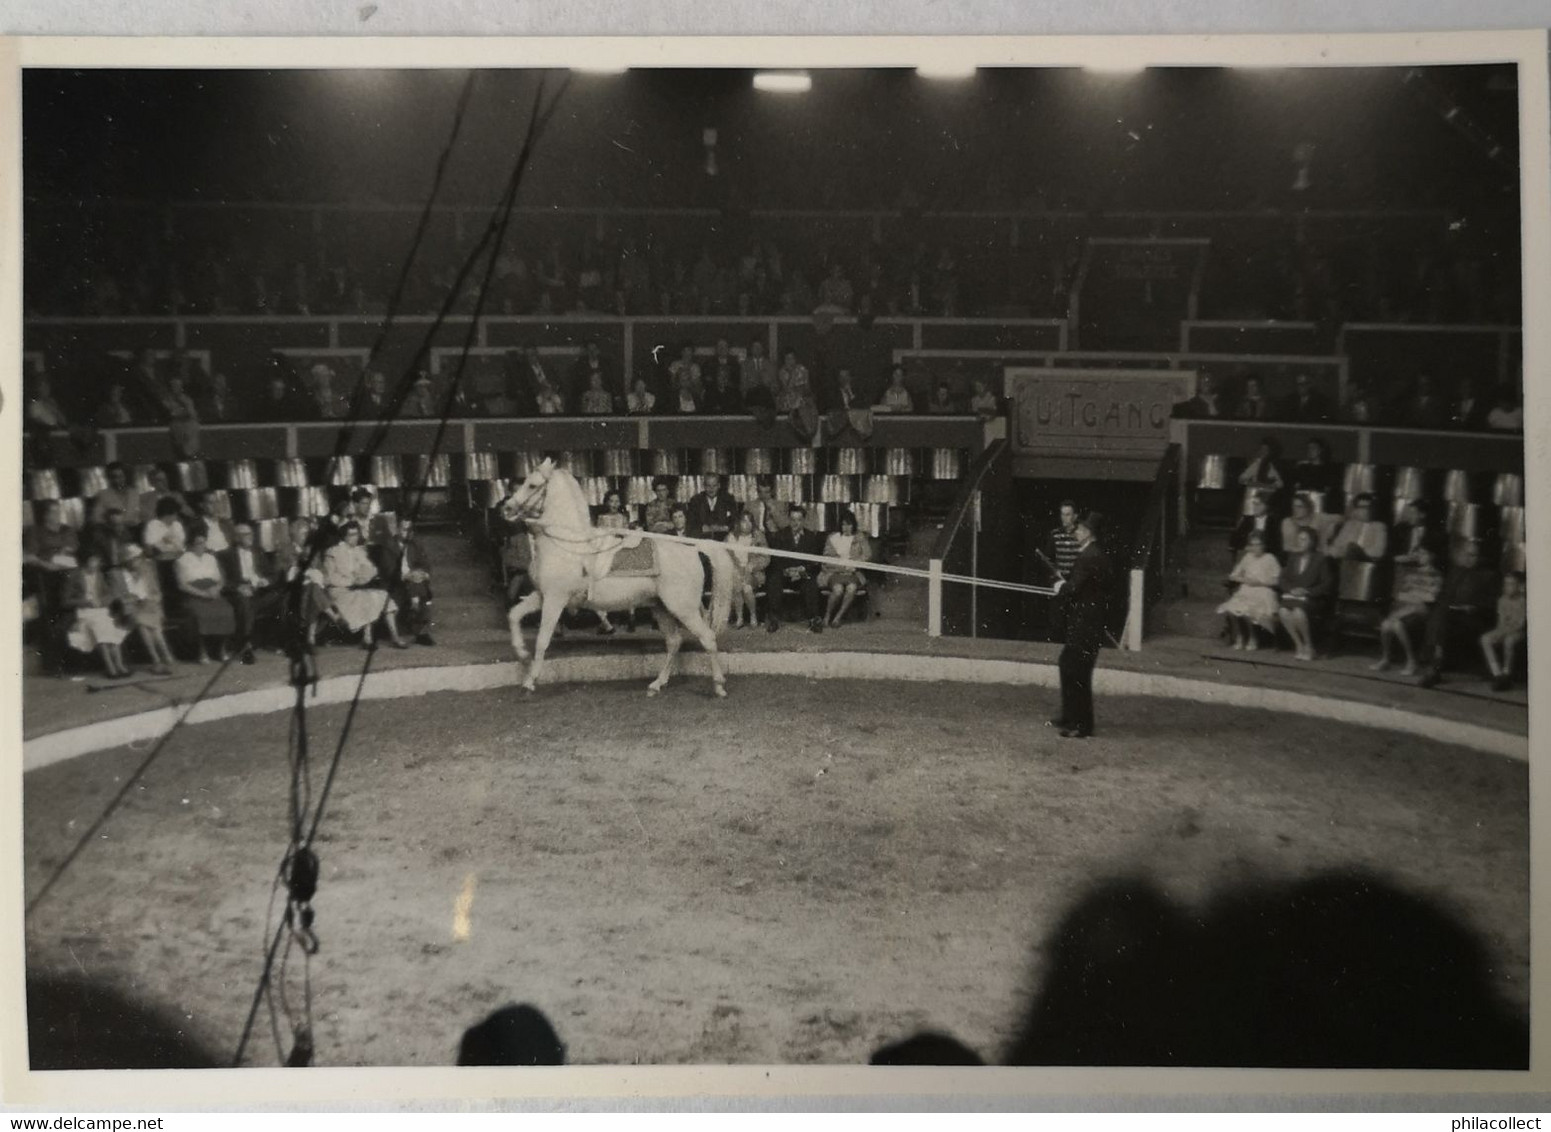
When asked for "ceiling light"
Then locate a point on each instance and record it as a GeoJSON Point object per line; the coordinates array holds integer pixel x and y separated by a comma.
{"type": "Point", "coordinates": [599, 69]}
{"type": "Point", "coordinates": [1115, 68]}
{"type": "Point", "coordinates": [783, 82]}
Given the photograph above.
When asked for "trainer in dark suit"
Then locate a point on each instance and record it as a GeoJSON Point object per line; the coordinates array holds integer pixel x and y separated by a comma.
{"type": "Point", "coordinates": [795, 536]}
{"type": "Point", "coordinates": [1086, 597]}
{"type": "Point", "coordinates": [252, 587]}
{"type": "Point", "coordinates": [407, 570]}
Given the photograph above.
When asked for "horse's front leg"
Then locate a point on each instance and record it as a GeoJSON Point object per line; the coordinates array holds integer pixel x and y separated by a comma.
{"type": "Point", "coordinates": [514, 616]}
{"type": "Point", "coordinates": [549, 617]}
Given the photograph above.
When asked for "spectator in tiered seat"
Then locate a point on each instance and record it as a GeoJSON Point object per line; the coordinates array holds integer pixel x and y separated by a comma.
{"type": "Point", "coordinates": [793, 388]}
{"type": "Point", "coordinates": [356, 590]}
{"type": "Point", "coordinates": [89, 592]}
{"type": "Point", "coordinates": [1307, 404]}
{"type": "Point", "coordinates": [374, 401]}
{"type": "Point", "coordinates": [757, 379]}
{"type": "Point", "coordinates": [640, 401]}
{"type": "Point", "coordinates": [684, 371]}
{"type": "Point", "coordinates": [1315, 473]}
{"type": "Point", "coordinates": [1508, 633]}
{"type": "Point", "coordinates": [201, 581]}
{"type": "Point", "coordinates": [165, 536]}
{"type": "Point", "coordinates": [896, 398]}
{"type": "Point", "coordinates": [331, 404]}
{"type": "Point", "coordinates": [983, 403]}
{"type": "Point", "coordinates": [743, 541]}
{"type": "Point", "coordinates": [763, 510]}
{"type": "Point", "coordinates": [1306, 584]}
{"type": "Point", "coordinates": [220, 534]}
{"type": "Point", "coordinates": [364, 512]}
{"type": "Point", "coordinates": [1464, 605]}
{"type": "Point", "coordinates": [680, 520]}
{"type": "Point", "coordinates": [712, 511]}
{"type": "Point", "coordinates": [534, 378]}
{"type": "Point", "coordinates": [1252, 405]}
{"type": "Point", "coordinates": [113, 412]}
{"type": "Point", "coordinates": [407, 570]}
{"type": "Point", "coordinates": [283, 402]}
{"type": "Point", "coordinates": [1470, 409]}
{"type": "Point", "coordinates": [161, 489]}
{"type": "Point", "coordinates": [1359, 407]}
{"type": "Point", "coordinates": [50, 550]}
{"type": "Point", "coordinates": [138, 585]}
{"type": "Point", "coordinates": [548, 402]}
{"type": "Point", "coordinates": [1259, 522]}
{"type": "Point", "coordinates": [842, 583]}
{"type": "Point", "coordinates": [254, 587]}
{"type": "Point", "coordinates": [117, 496]}
{"type": "Point", "coordinates": [942, 400]}
{"type": "Point", "coordinates": [797, 572]}
{"type": "Point", "coordinates": [1361, 537]}
{"type": "Point", "coordinates": [659, 511]}
{"type": "Point", "coordinates": [301, 553]}
{"type": "Point", "coordinates": [721, 392]}
{"type": "Point", "coordinates": [182, 420]}
{"type": "Point", "coordinates": [1426, 409]}
{"type": "Point", "coordinates": [835, 292]}
{"type": "Point", "coordinates": [1262, 474]}
{"type": "Point", "coordinates": [1204, 405]}
{"type": "Point", "coordinates": [723, 369]}
{"type": "Point", "coordinates": [1416, 590]}
{"type": "Point", "coordinates": [43, 410]}
{"type": "Point", "coordinates": [590, 365]}
{"type": "Point", "coordinates": [1254, 603]}
{"type": "Point", "coordinates": [685, 398]}
{"type": "Point", "coordinates": [1507, 414]}
{"type": "Point", "coordinates": [1304, 517]}
{"type": "Point", "coordinates": [1061, 544]}
{"type": "Point", "coordinates": [422, 402]}
{"type": "Point", "coordinates": [1414, 531]}
{"type": "Point", "coordinates": [596, 401]}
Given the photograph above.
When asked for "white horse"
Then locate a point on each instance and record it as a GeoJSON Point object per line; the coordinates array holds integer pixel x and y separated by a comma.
{"type": "Point", "coordinates": [566, 553]}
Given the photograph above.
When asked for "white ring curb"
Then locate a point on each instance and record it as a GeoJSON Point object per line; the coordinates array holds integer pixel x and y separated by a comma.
{"type": "Point", "coordinates": [73, 742]}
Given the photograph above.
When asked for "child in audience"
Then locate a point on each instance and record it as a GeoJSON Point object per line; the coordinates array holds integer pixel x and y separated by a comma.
{"type": "Point", "coordinates": [1255, 602]}
{"type": "Point", "coordinates": [1508, 633]}
{"type": "Point", "coordinates": [1415, 592]}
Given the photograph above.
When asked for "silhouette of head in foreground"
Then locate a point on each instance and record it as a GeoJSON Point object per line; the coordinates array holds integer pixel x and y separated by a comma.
{"type": "Point", "coordinates": [512, 1035]}
{"type": "Point", "coordinates": [76, 1024]}
{"type": "Point", "coordinates": [1338, 970]}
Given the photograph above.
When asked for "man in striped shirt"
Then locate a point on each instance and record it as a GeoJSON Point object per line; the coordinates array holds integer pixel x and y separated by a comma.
{"type": "Point", "coordinates": [1061, 544]}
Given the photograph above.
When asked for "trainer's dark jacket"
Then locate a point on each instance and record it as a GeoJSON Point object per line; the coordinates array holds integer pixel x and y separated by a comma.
{"type": "Point", "coordinates": [1087, 598]}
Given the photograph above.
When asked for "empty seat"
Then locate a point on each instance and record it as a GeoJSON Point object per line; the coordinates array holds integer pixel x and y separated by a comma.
{"type": "Point", "coordinates": [595, 488]}
{"type": "Point", "coordinates": [73, 511]}
{"type": "Point", "coordinates": [899, 462]}
{"type": "Point", "coordinates": [639, 491]}
{"type": "Point", "coordinates": [945, 463]}
{"type": "Point", "coordinates": [1357, 479]}
{"type": "Point", "coordinates": [1467, 520]}
{"type": "Point", "coordinates": [480, 466]}
{"type": "Point", "coordinates": [240, 475]}
{"type": "Point", "coordinates": [851, 461]}
{"type": "Point", "coordinates": [291, 473]}
{"type": "Point", "coordinates": [387, 471]}
{"type": "Point", "coordinates": [686, 488]}
{"type": "Point", "coordinates": [1410, 483]}
{"type": "Point", "coordinates": [801, 461]}
{"type": "Point", "coordinates": [715, 461]}
{"type": "Point", "coordinates": [1510, 524]}
{"type": "Point", "coordinates": [339, 471]}
{"type": "Point", "coordinates": [1457, 487]}
{"type": "Point", "coordinates": [43, 484]}
{"type": "Point", "coordinates": [89, 481]}
{"type": "Point", "coordinates": [433, 471]}
{"type": "Point", "coordinates": [1359, 582]}
{"type": "Point", "coordinates": [882, 490]}
{"type": "Point", "coordinates": [1508, 490]}
{"type": "Point", "coordinates": [758, 462]}
{"type": "Point", "coordinates": [834, 489]}
{"type": "Point", "coordinates": [1213, 474]}
{"type": "Point", "coordinates": [789, 489]}
{"type": "Point", "coordinates": [222, 501]}
{"type": "Point", "coordinates": [616, 462]}
{"type": "Point", "coordinates": [192, 475]}
{"type": "Point", "coordinates": [256, 504]}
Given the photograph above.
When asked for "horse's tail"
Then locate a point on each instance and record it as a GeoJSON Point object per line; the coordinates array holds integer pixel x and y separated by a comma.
{"type": "Point", "coordinates": [724, 577]}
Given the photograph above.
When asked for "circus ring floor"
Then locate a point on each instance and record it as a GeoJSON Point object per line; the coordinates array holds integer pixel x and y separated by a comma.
{"type": "Point", "coordinates": [798, 874]}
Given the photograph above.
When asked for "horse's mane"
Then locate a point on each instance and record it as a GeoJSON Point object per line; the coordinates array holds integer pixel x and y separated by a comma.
{"type": "Point", "coordinates": [569, 494]}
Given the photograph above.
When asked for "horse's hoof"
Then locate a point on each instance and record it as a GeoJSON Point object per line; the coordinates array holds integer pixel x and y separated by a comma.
{"type": "Point", "coordinates": [721, 692]}
{"type": "Point", "coordinates": [529, 686]}
{"type": "Point", "coordinates": [650, 691]}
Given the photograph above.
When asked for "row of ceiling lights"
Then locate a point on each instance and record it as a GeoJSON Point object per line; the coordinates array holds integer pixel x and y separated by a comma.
{"type": "Point", "coordinates": [798, 82]}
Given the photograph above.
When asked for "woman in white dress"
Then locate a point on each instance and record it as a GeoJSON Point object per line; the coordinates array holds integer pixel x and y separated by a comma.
{"type": "Point", "coordinates": [200, 581]}
{"type": "Point", "coordinates": [139, 588]}
{"type": "Point", "coordinates": [355, 589]}
{"type": "Point", "coordinates": [843, 583]}
{"type": "Point", "coordinates": [165, 537]}
{"type": "Point", "coordinates": [89, 593]}
{"type": "Point", "coordinates": [1255, 602]}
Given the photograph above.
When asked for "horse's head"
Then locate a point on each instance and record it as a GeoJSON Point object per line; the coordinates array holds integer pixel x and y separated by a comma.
{"type": "Point", "coordinates": [528, 498]}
